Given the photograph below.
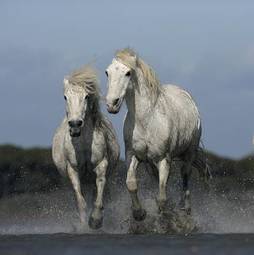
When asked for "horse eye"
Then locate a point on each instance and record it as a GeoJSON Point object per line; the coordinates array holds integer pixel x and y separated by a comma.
{"type": "Point", "coordinates": [106, 72]}
{"type": "Point", "coordinates": [128, 74]}
{"type": "Point", "coordinates": [65, 98]}
{"type": "Point", "coordinates": [86, 97]}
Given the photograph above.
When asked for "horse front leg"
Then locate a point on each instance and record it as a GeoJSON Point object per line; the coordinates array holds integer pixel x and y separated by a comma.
{"type": "Point", "coordinates": [74, 178]}
{"type": "Point", "coordinates": [138, 213]}
{"type": "Point", "coordinates": [163, 168]}
{"type": "Point", "coordinates": [96, 218]}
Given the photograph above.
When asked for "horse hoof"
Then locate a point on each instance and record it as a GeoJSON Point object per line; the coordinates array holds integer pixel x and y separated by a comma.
{"type": "Point", "coordinates": [95, 223]}
{"type": "Point", "coordinates": [139, 214]}
{"type": "Point", "coordinates": [188, 211]}
{"type": "Point", "coordinates": [162, 208]}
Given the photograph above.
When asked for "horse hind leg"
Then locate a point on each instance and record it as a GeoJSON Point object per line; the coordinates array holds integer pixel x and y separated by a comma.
{"type": "Point", "coordinates": [96, 217]}
{"type": "Point", "coordinates": [138, 212]}
{"type": "Point", "coordinates": [186, 173]}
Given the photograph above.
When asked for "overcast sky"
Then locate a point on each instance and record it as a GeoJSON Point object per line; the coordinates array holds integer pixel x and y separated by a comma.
{"type": "Point", "coordinates": [206, 47]}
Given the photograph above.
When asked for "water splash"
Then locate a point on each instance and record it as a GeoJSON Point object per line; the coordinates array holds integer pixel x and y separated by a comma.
{"type": "Point", "coordinates": [215, 212]}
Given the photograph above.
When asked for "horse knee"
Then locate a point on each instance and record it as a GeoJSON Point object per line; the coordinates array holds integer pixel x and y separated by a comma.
{"type": "Point", "coordinates": [101, 180]}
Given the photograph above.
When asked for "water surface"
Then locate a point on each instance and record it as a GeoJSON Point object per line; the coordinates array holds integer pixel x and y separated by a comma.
{"type": "Point", "coordinates": [69, 244]}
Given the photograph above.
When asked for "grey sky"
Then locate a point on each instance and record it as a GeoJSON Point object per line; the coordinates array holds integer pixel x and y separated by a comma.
{"type": "Point", "coordinates": [205, 46]}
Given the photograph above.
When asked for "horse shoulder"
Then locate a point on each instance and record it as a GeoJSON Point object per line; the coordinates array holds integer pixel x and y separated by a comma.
{"type": "Point", "coordinates": [98, 146]}
{"type": "Point", "coordinates": [58, 153]}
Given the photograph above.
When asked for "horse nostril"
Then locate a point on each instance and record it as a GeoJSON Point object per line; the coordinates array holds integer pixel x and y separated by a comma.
{"type": "Point", "coordinates": [75, 123]}
{"type": "Point", "coordinates": [116, 101]}
{"type": "Point", "coordinates": [79, 123]}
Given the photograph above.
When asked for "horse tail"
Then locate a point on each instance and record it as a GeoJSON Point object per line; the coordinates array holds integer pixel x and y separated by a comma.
{"type": "Point", "coordinates": [201, 164]}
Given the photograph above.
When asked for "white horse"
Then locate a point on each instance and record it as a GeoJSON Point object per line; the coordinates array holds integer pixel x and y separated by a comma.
{"type": "Point", "coordinates": [162, 123]}
{"type": "Point", "coordinates": [85, 139]}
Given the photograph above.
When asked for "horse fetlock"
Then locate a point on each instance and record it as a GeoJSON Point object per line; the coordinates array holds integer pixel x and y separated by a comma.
{"type": "Point", "coordinates": [161, 203]}
{"type": "Point", "coordinates": [96, 218]}
{"type": "Point", "coordinates": [100, 180]}
{"type": "Point", "coordinates": [97, 212]}
{"type": "Point", "coordinates": [132, 185]}
{"type": "Point", "coordinates": [186, 202]}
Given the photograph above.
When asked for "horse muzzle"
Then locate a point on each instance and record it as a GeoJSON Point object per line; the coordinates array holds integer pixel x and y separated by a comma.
{"type": "Point", "coordinates": [115, 106]}
{"type": "Point", "coordinates": [75, 127]}
{"type": "Point", "coordinates": [75, 132]}
{"type": "Point", "coordinates": [113, 110]}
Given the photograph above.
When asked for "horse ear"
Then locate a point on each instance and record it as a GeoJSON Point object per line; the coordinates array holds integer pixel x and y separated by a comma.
{"type": "Point", "coordinates": [135, 59]}
{"type": "Point", "coordinates": [66, 82]}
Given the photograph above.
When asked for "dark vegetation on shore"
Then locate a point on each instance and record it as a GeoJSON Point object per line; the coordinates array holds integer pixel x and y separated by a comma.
{"type": "Point", "coordinates": [32, 170]}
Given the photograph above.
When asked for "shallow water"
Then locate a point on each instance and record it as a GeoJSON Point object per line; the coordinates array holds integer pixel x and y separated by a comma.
{"type": "Point", "coordinates": [31, 223]}
{"type": "Point", "coordinates": [56, 212]}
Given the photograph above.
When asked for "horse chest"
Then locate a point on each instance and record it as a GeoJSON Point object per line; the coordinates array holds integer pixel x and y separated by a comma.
{"type": "Point", "coordinates": [80, 155]}
{"type": "Point", "coordinates": [139, 144]}
{"type": "Point", "coordinates": [150, 142]}
{"type": "Point", "coordinates": [77, 157]}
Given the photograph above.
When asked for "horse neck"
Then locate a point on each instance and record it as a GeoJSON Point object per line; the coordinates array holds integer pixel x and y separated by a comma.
{"type": "Point", "coordinates": [140, 99]}
{"type": "Point", "coordinates": [93, 118]}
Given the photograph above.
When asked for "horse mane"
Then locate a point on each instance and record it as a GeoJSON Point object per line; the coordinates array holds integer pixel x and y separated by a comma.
{"type": "Point", "coordinates": [130, 58]}
{"type": "Point", "coordinates": [85, 77]}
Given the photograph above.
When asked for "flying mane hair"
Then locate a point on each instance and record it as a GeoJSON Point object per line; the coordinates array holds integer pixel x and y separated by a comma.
{"type": "Point", "coordinates": [130, 58]}
{"type": "Point", "coordinates": [85, 77]}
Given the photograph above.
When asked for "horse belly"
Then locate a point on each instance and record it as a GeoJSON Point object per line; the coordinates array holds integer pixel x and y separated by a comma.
{"type": "Point", "coordinates": [156, 150]}
{"type": "Point", "coordinates": [157, 137]}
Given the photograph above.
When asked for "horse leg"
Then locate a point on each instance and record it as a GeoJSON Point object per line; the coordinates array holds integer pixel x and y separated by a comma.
{"type": "Point", "coordinates": [96, 218]}
{"type": "Point", "coordinates": [186, 173]}
{"type": "Point", "coordinates": [74, 178]}
{"type": "Point", "coordinates": [138, 213]}
{"type": "Point", "coordinates": [163, 168]}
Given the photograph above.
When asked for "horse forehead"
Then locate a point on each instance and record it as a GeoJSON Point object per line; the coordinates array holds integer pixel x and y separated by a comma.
{"type": "Point", "coordinates": [118, 66]}
{"type": "Point", "coordinates": [75, 90]}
